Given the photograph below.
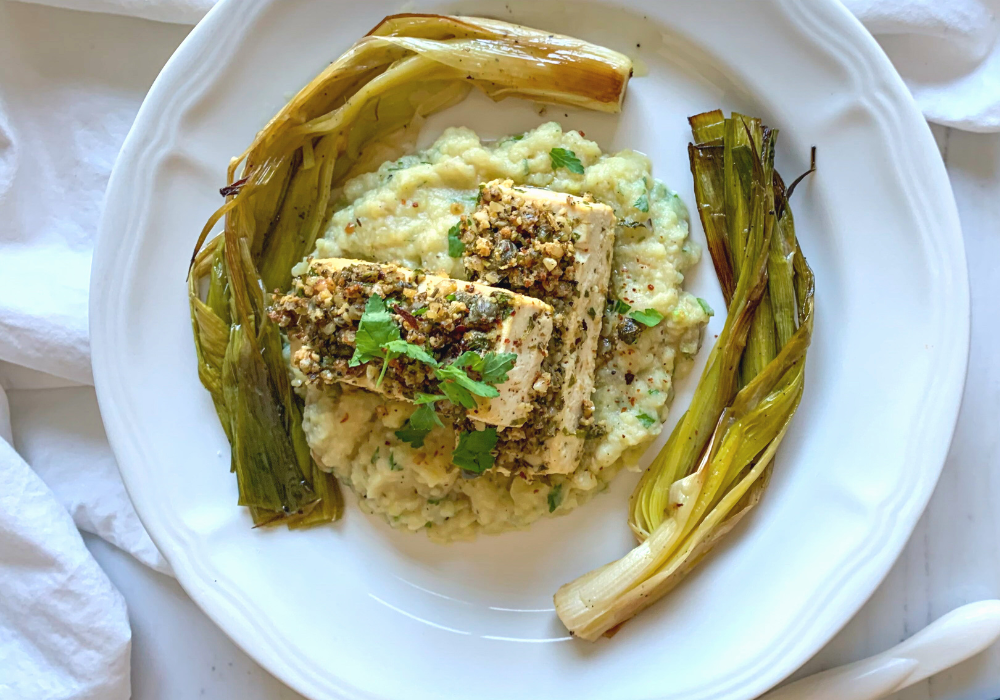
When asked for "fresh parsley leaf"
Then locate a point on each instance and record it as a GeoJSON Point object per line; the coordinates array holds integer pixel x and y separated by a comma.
{"type": "Point", "coordinates": [620, 307]}
{"type": "Point", "coordinates": [471, 359]}
{"type": "Point", "coordinates": [642, 204]}
{"type": "Point", "coordinates": [515, 137]}
{"type": "Point", "coordinates": [453, 375]}
{"type": "Point", "coordinates": [555, 497]}
{"type": "Point", "coordinates": [393, 467]}
{"type": "Point", "coordinates": [451, 297]}
{"type": "Point", "coordinates": [705, 307]}
{"type": "Point", "coordinates": [420, 424]}
{"type": "Point", "coordinates": [421, 311]}
{"type": "Point", "coordinates": [565, 158]}
{"type": "Point", "coordinates": [492, 366]}
{"type": "Point", "coordinates": [375, 330]}
{"type": "Point", "coordinates": [646, 420]}
{"type": "Point", "coordinates": [375, 456]}
{"type": "Point", "coordinates": [455, 245]}
{"type": "Point", "coordinates": [460, 388]}
{"type": "Point", "coordinates": [496, 365]}
{"type": "Point", "coordinates": [414, 352]}
{"type": "Point", "coordinates": [458, 395]}
{"type": "Point", "coordinates": [474, 450]}
{"type": "Point", "coordinates": [411, 435]}
{"type": "Point", "coordinates": [649, 317]}
{"type": "Point", "coordinates": [378, 337]}
{"type": "Point", "coordinates": [421, 399]}
{"type": "Point", "coordinates": [424, 418]}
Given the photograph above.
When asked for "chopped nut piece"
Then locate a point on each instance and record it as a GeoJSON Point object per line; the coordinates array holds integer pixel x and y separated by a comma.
{"type": "Point", "coordinates": [443, 316]}
{"type": "Point", "coordinates": [557, 248]}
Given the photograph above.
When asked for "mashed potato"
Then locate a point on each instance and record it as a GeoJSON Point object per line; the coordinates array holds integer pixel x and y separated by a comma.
{"type": "Point", "coordinates": [401, 213]}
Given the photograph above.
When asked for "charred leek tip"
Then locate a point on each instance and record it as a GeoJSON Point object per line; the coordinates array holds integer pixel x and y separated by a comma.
{"type": "Point", "coordinates": [716, 463]}
{"type": "Point", "coordinates": [407, 67]}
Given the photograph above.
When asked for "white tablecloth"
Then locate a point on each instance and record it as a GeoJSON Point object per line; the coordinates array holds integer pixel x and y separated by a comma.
{"type": "Point", "coordinates": [70, 84]}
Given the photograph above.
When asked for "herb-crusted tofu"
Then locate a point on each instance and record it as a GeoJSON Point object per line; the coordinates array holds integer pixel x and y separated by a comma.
{"type": "Point", "coordinates": [395, 331]}
{"type": "Point", "coordinates": [555, 247]}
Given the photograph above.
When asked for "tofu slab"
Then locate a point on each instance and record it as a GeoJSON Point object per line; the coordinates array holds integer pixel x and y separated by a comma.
{"type": "Point", "coordinates": [557, 248]}
{"type": "Point", "coordinates": [444, 316]}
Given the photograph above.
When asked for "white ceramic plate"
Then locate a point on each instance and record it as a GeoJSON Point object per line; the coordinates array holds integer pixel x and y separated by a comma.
{"type": "Point", "coordinates": [358, 610]}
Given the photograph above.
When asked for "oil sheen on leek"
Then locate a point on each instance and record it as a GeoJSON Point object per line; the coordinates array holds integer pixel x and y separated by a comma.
{"type": "Point", "coordinates": [716, 462]}
{"type": "Point", "coordinates": [406, 68]}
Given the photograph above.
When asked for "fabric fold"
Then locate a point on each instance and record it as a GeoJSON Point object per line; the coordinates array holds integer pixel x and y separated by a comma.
{"type": "Point", "coordinates": [171, 11]}
{"type": "Point", "coordinates": [70, 86]}
{"type": "Point", "coordinates": [64, 630]}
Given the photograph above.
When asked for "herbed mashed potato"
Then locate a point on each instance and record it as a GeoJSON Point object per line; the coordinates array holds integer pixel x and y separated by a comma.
{"type": "Point", "coordinates": [401, 213]}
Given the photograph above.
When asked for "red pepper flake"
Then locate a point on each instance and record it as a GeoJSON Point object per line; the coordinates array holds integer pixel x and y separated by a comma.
{"type": "Point", "coordinates": [346, 416]}
{"type": "Point", "coordinates": [409, 318]}
{"type": "Point", "coordinates": [349, 229]}
{"type": "Point", "coordinates": [416, 204]}
{"type": "Point", "coordinates": [650, 287]}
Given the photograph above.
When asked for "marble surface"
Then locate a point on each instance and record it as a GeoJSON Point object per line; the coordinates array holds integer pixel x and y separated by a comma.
{"type": "Point", "coordinates": [952, 558]}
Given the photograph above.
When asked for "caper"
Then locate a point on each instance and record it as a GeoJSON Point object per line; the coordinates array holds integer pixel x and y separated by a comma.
{"type": "Point", "coordinates": [506, 252]}
{"type": "Point", "coordinates": [628, 331]}
{"type": "Point", "coordinates": [483, 310]}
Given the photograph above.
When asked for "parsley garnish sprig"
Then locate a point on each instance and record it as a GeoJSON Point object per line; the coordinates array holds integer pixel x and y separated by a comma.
{"type": "Point", "coordinates": [460, 388]}
{"type": "Point", "coordinates": [475, 450]}
{"type": "Point", "coordinates": [378, 337]}
{"type": "Point", "coordinates": [565, 158]}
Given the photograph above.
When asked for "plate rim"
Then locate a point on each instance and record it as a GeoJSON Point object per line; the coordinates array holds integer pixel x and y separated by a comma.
{"type": "Point", "coordinates": [148, 133]}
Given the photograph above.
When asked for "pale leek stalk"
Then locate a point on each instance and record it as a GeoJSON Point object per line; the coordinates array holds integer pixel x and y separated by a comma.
{"type": "Point", "coordinates": [407, 67]}
{"type": "Point", "coordinates": [715, 465]}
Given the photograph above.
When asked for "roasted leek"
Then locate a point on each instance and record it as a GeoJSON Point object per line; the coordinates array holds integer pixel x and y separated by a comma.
{"type": "Point", "coordinates": [407, 67]}
{"type": "Point", "coordinates": [715, 465]}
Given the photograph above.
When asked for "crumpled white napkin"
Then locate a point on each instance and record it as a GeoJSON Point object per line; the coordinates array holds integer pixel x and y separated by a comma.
{"type": "Point", "coordinates": [64, 630]}
{"type": "Point", "coordinates": [948, 52]}
{"type": "Point", "coordinates": [70, 85]}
